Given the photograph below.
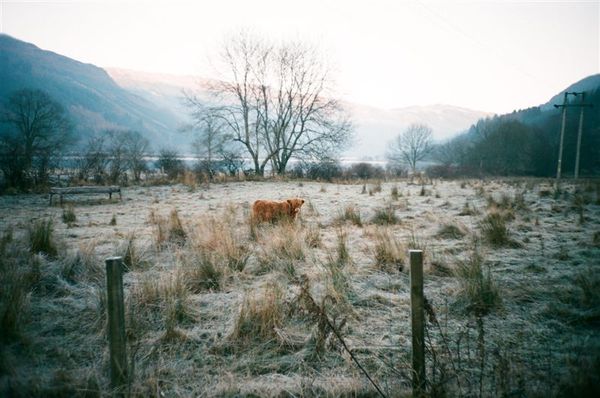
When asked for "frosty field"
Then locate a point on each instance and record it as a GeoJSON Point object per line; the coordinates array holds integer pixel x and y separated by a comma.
{"type": "Point", "coordinates": [216, 306]}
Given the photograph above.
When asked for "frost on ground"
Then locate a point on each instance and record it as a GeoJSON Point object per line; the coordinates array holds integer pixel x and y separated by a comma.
{"type": "Point", "coordinates": [217, 306]}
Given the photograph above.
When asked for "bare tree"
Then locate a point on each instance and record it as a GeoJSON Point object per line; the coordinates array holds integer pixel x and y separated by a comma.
{"type": "Point", "coordinates": [120, 151]}
{"type": "Point", "coordinates": [94, 160]}
{"type": "Point", "coordinates": [35, 131]}
{"type": "Point", "coordinates": [209, 142]}
{"type": "Point", "coordinates": [136, 148]}
{"type": "Point", "coordinates": [170, 163]}
{"type": "Point", "coordinates": [116, 149]}
{"type": "Point", "coordinates": [411, 146]}
{"type": "Point", "coordinates": [275, 103]}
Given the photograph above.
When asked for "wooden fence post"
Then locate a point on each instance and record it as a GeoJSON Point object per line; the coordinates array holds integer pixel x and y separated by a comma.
{"type": "Point", "coordinates": [116, 323]}
{"type": "Point", "coordinates": [417, 322]}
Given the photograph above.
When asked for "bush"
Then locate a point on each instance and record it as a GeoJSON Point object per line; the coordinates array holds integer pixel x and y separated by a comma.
{"type": "Point", "coordinates": [365, 171]}
{"type": "Point", "coordinates": [324, 170]}
{"type": "Point", "coordinates": [170, 163]}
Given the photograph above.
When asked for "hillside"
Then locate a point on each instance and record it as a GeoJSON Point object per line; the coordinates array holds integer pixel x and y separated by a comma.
{"type": "Point", "coordinates": [489, 145]}
{"type": "Point", "coordinates": [374, 127]}
{"type": "Point", "coordinates": [94, 101]}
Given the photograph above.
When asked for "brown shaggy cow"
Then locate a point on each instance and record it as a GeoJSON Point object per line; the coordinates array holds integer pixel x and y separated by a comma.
{"type": "Point", "coordinates": [271, 210]}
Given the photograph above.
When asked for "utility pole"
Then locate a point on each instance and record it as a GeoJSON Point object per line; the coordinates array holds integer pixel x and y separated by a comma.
{"type": "Point", "coordinates": [564, 107]}
{"type": "Point", "coordinates": [562, 136]}
{"type": "Point", "coordinates": [579, 131]}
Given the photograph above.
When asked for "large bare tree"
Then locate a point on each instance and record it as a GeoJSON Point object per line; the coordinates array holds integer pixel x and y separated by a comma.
{"type": "Point", "coordinates": [34, 131]}
{"type": "Point", "coordinates": [411, 146]}
{"type": "Point", "coordinates": [275, 101]}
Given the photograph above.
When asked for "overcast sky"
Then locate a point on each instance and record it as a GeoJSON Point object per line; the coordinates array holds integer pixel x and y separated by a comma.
{"type": "Point", "coordinates": [486, 55]}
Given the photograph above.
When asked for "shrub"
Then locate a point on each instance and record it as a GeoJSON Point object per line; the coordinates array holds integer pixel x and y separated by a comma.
{"type": "Point", "coordinates": [365, 171]}
{"type": "Point", "coordinates": [327, 170]}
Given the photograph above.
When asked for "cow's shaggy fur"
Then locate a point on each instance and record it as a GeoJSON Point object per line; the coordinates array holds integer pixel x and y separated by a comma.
{"type": "Point", "coordinates": [271, 210]}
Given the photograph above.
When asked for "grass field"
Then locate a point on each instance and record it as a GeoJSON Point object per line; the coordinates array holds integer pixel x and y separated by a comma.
{"type": "Point", "coordinates": [216, 306]}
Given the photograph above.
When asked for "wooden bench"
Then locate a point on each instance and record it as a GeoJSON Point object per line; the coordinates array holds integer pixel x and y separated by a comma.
{"type": "Point", "coordinates": [85, 190]}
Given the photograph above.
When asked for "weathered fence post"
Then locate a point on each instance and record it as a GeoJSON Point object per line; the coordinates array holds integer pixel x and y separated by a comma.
{"type": "Point", "coordinates": [116, 323]}
{"type": "Point", "coordinates": [417, 322]}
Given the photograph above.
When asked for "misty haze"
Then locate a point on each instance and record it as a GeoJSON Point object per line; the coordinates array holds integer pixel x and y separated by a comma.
{"type": "Point", "coordinates": [325, 198]}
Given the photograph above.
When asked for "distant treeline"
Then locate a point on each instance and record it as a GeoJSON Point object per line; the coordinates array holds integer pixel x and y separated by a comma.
{"type": "Point", "coordinates": [525, 142]}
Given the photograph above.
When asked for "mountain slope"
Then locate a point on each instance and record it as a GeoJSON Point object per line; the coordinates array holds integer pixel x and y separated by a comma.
{"type": "Point", "coordinates": [94, 101]}
{"type": "Point", "coordinates": [374, 127]}
{"type": "Point", "coordinates": [586, 84]}
{"type": "Point", "coordinates": [532, 136]}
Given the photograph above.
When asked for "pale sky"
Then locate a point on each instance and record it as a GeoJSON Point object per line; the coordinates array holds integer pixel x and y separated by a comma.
{"type": "Point", "coordinates": [486, 55]}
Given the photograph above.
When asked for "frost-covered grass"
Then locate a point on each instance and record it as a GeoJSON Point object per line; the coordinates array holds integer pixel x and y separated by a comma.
{"type": "Point", "coordinates": [216, 306]}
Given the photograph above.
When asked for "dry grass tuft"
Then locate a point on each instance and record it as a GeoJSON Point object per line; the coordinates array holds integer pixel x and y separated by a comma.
{"type": "Point", "coordinates": [168, 230]}
{"type": "Point", "coordinates": [328, 313]}
{"type": "Point", "coordinates": [479, 293]}
{"type": "Point", "coordinates": [68, 215]}
{"type": "Point", "coordinates": [83, 265]}
{"type": "Point", "coordinates": [282, 247]}
{"type": "Point", "coordinates": [352, 214]}
{"type": "Point", "coordinates": [41, 238]}
{"type": "Point", "coordinates": [395, 194]}
{"type": "Point", "coordinates": [451, 231]}
{"type": "Point", "coordinates": [312, 236]}
{"type": "Point", "coordinates": [217, 242]}
{"type": "Point", "coordinates": [261, 314]}
{"type": "Point", "coordinates": [389, 253]}
{"type": "Point", "coordinates": [468, 210]}
{"type": "Point", "coordinates": [495, 231]}
{"type": "Point", "coordinates": [133, 256]}
{"type": "Point", "coordinates": [343, 256]}
{"type": "Point", "coordinates": [202, 272]}
{"type": "Point", "coordinates": [161, 303]}
{"type": "Point", "coordinates": [375, 188]}
{"type": "Point", "coordinates": [14, 303]}
{"type": "Point", "coordinates": [385, 216]}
